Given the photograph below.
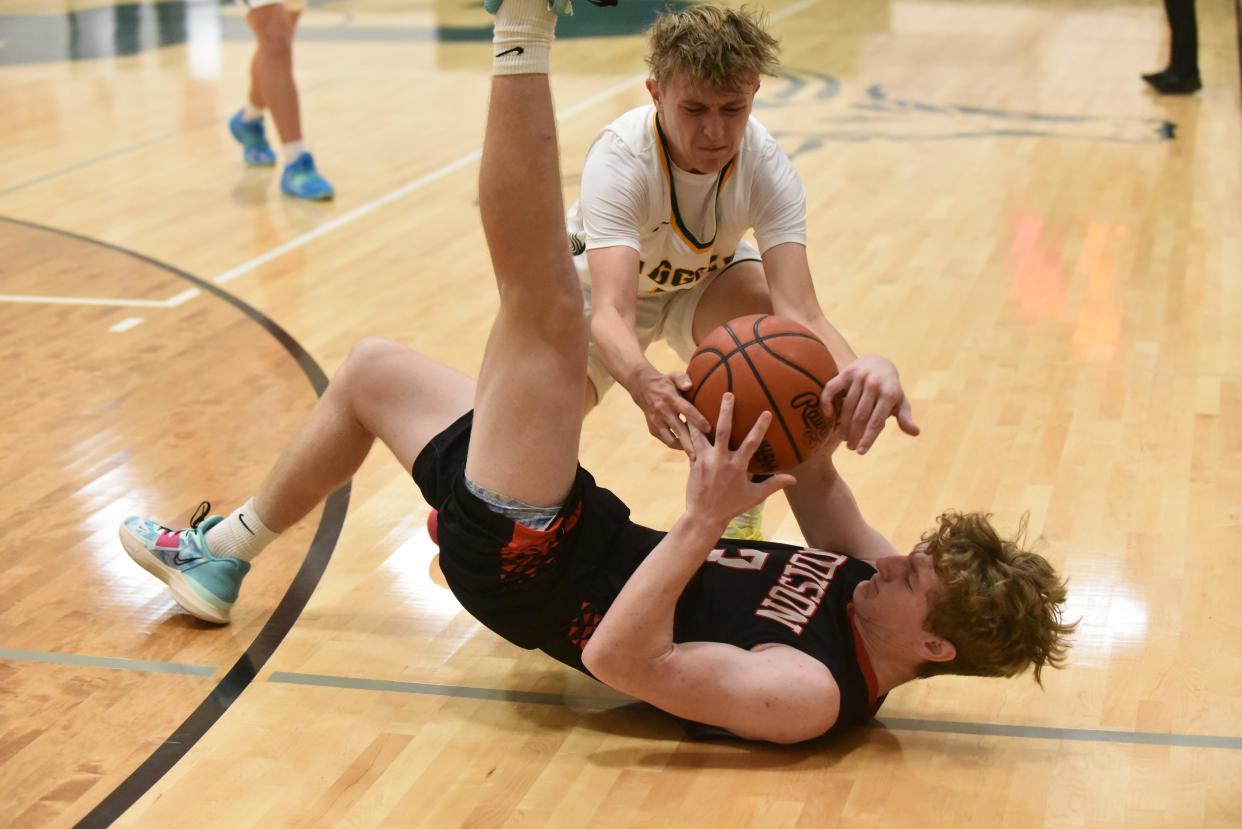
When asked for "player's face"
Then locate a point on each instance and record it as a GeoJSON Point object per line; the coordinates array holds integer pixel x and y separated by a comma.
{"type": "Point", "coordinates": [897, 599]}
{"type": "Point", "coordinates": [704, 125]}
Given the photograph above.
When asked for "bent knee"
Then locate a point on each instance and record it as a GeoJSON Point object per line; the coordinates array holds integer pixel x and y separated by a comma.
{"type": "Point", "coordinates": [373, 364]}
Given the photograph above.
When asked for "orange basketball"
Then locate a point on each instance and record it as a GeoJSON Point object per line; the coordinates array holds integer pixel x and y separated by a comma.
{"type": "Point", "coordinates": [770, 364]}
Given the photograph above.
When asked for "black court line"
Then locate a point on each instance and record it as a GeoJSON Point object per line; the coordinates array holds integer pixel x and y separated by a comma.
{"type": "Point", "coordinates": [1237, 19]}
{"type": "Point", "coordinates": [286, 613]}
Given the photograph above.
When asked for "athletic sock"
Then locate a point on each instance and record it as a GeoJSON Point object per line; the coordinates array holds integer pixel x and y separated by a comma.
{"type": "Point", "coordinates": [522, 37]}
{"type": "Point", "coordinates": [250, 112]}
{"type": "Point", "coordinates": [293, 149]}
{"type": "Point", "coordinates": [242, 535]}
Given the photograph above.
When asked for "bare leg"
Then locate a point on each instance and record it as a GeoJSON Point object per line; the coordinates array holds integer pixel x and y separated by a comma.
{"type": "Point", "coordinates": [740, 290]}
{"type": "Point", "coordinates": [382, 390]}
{"type": "Point", "coordinates": [529, 403]}
{"type": "Point", "coordinates": [272, 68]}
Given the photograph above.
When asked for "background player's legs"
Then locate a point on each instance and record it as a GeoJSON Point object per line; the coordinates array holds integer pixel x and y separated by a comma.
{"type": "Point", "coordinates": [528, 407]}
{"type": "Point", "coordinates": [271, 69]}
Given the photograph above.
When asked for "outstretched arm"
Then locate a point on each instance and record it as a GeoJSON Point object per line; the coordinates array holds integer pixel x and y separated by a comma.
{"type": "Point", "coordinates": [868, 386]}
{"type": "Point", "coordinates": [776, 693]}
{"type": "Point", "coordinates": [614, 289]}
{"type": "Point", "coordinates": [827, 513]}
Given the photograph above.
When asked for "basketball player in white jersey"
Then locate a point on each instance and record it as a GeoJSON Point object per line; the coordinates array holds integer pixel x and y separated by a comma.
{"type": "Point", "coordinates": [668, 192]}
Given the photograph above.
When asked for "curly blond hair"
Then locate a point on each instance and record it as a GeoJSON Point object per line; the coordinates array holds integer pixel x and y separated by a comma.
{"type": "Point", "coordinates": [1001, 604]}
{"type": "Point", "coordinates": [724, 48]}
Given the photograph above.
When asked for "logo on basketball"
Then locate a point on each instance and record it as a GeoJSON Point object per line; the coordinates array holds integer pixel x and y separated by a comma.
{"type": "Point", "coordinates": [764, 458]}
{"type": "Point", "coordinates": [816, 425]}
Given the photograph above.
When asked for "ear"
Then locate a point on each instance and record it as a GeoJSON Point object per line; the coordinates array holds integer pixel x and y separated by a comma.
{"type": "Point", "coordinates": [936, 649]}
{"type": "Point", "coordinates": [654, 89]}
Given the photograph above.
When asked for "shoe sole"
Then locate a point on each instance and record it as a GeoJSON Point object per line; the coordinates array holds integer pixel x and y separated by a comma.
{"type": "Point", "coordinates": [183, 590]}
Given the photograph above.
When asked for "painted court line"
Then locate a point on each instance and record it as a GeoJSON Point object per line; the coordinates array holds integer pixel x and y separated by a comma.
{"type": "Point", "coordinates": [890, 723]}
{"type": "Point", "coordinates": [111, 662]}
{"type": "Point", "coordinates": [463, 691]}
{"type": "Point", "coordinates": [605, 703]}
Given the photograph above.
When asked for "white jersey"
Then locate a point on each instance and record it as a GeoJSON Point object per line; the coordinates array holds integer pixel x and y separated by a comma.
{"type": "Point", "coordinates": [684, 225]}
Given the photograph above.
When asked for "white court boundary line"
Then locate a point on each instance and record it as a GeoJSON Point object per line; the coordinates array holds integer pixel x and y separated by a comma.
{"type": "Point", "coordinates": [358, 212]}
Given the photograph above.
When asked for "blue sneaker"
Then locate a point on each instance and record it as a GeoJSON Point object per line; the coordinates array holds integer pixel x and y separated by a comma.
{"type": "Point", "coordinates": [302, 181]}
{"type": "Point", "coordinates": [206, 585]}
{"type": "Point", "coordinates": [256, 151]}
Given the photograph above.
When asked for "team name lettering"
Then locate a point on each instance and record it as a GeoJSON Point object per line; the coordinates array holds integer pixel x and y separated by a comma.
{"type": "Point", "coordinates": [664, 274]}
{"type": "Point", "coordinates": [815, 425]}
{"type": "Point", "coordinates": [797, 594]}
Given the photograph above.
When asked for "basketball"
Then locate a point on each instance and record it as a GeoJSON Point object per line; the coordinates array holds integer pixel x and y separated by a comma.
{"type": "Point", "coordinates": [770, 364]}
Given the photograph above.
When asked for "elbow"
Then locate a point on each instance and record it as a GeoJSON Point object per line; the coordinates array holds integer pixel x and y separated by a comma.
{"type": "Point", "coordinates": [594, 659]}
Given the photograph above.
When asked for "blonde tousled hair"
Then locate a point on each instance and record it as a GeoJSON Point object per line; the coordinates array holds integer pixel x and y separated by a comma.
{"type": "Point", "coordinates": [722, 47]}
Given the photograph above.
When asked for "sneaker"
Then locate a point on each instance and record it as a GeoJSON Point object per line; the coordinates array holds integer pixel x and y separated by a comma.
{"type": "Point", "coordinates": [206, 585]}
{"type": "Point", "coordinates": [256, 151]}
{"type": "Point", "coordinates": [746, 527]}
{"type": "Point", "coordinates": [302, 181]}
{"type": "Point", "coordinates": [1174, 82]}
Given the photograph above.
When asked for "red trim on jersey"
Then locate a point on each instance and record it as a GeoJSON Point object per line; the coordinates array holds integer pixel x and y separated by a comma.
{"type": "Point", "coordinates": [864, 665]}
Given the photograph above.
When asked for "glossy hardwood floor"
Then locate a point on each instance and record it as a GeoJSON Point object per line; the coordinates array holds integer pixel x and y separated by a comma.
{"type": "Point", "coordinates": [1050, 255]}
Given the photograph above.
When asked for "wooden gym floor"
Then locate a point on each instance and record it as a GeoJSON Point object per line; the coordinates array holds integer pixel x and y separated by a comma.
{"type": "Point", "coordinates": [1050, 254]}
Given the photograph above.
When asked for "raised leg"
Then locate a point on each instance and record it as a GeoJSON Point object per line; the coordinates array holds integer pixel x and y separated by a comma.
{"type": "Point", "coordinates": [529, 403]}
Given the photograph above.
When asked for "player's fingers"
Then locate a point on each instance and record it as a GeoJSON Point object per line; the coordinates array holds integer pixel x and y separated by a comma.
{"type": "Point", "coordinates": [724, 423]}
{"type": "Point", "coordinates": [681, 380]}
{"type": "Point", "coordinates": [874, 426]}
{"type": "Point", "coordinates": [863, 414]}
{"type": "Point", "coordinates": [693, 416]}
{"type": "Point", "coordinates": [681, 432]}
{"type": "Point", "coordinates": [848, 406]}
{"type": "Point", "coordinates": [832, 388]}
{"type": "Point", "coordinates": [776, 483]}
{"type": "Point", "coordinates": [660, 431]}
{"type": "Point", "coordinates": [754, 437]}
{"type": "Point", "coordinates": [905, 418]}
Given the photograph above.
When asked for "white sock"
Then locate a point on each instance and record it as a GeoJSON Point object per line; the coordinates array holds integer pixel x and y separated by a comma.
{"type": "Point", "coordinates": [294, 149]}
{"type": "Point", "coordinates": [522, 38]}
{"type": "Point", "coordinates": [250, 112]}
{"type": "Point", "coordinates": [241, 535]}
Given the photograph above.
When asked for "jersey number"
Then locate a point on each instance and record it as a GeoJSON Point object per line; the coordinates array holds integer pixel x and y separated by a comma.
{"type": "Point", "coordinates": [739, 559]}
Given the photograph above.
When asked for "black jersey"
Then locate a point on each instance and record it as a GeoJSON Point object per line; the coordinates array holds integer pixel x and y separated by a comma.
{"type": "Point", "coordinates": [548, 589]}
{"type": "Point", "coordinates": [753, 593]}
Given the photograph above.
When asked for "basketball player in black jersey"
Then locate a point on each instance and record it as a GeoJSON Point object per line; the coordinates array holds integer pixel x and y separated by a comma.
{"type": "Point", "coordinates": [765, 641]}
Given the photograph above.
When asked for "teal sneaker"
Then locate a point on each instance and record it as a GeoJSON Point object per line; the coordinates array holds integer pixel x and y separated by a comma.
{"type": "Point", "coordinates": [255, 149]}
{"type": "Point", "coordinates": [206, 585]}
{"type": "Point", "coordinates": [302, 181]}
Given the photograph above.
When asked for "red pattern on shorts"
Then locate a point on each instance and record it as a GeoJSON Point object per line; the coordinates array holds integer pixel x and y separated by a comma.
{"type": "Point", "coordinates": [582, 627]}
{"type": "Point", "coordinates": [530, 551]}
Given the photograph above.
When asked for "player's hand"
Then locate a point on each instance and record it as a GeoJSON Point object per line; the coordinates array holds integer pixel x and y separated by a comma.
{"type": "Point", "coordinates": [870, 393]}
{"type": "Point", "coordinates": [720, 484]}
{"type": "Point", "coordinates": [667, 412]}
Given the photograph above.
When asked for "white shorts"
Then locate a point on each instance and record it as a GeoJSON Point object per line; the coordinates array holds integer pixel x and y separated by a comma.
{"type": "Point", "coordinates": [291, 5]}
{"type": "Point", "coordinates": [667, 316]}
